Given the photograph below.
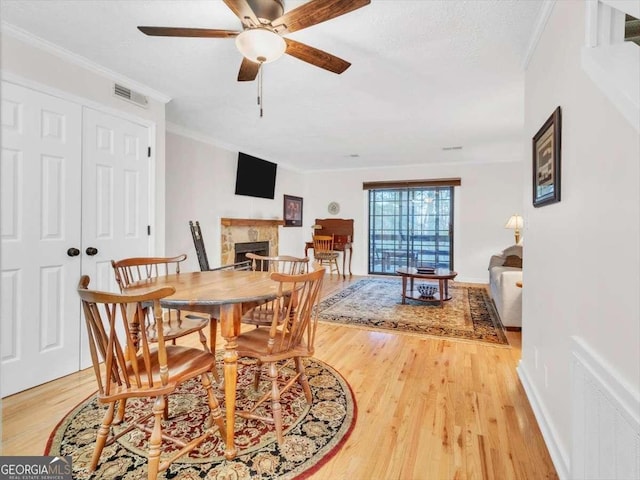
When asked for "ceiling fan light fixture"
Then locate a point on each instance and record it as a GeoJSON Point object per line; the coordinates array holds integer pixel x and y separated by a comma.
{"type": "Point", "coordinates": [260, 45]}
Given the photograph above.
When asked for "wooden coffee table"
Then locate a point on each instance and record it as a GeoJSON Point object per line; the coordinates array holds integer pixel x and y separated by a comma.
{"type": "Point", "coordinates": [442, 275]}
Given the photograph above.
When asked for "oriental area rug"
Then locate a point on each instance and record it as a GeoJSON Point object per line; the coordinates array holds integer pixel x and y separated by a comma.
{"type": "Point", "coordinates": [376, 303]}
{"type": "Point", "coordinates": [313, 434]}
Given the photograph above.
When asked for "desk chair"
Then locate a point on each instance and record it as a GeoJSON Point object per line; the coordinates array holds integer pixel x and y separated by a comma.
{"type": "Point", "coordinates": [324, 253]}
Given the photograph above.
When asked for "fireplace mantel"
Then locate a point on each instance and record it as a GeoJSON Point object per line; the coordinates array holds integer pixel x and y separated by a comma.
{"type": "Point", "coordinates": [250, 222]}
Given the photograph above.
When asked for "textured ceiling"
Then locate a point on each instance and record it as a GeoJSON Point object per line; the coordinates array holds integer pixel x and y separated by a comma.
{"type": "Point", "coordinates": [425, 74]}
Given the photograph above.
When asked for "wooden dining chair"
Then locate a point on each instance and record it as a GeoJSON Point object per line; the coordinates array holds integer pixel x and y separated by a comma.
{"type": "Point", "coordinates": [282, 264]}
{"type": "Point", "coordinates": [324, 253]}
{"type": "Point", "coordinates": [262, 315]}
{"type": "Point", "coordinates": [154, 372]}
{"type": "Point", "coordinates": [177, 323]}
{"type": "Point", "coordinates": [291, 336]}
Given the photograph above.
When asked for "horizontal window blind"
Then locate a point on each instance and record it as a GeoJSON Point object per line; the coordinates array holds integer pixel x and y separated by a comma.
{"type": "Point", "coordinates": [436, 182]}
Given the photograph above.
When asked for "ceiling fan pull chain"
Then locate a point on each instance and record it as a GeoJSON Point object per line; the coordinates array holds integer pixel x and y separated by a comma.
{"type": "Point", "coordinates": [260, 96]}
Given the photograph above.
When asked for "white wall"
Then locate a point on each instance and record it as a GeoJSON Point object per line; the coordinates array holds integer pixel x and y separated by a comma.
{"type": "Point", "coordinates": [489, 194]}
{"type": "Point", "coordinates": [200, 186]}
{"type": "Point", "coordinates": [201, 182]}
{"type": "Point", "coordinates": [33, 66]}
{"type": "Point", "coordinates": [582, 255]}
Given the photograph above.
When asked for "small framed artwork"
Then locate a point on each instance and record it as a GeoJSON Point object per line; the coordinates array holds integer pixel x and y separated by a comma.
{"type": "Point", "coordinates": [546, 161]}
{"type": "Point", "coordinates": [292, 211]}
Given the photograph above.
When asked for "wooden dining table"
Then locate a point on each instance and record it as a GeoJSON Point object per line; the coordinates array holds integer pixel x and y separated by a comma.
{"type": "Point", "coordinates": [224, 295]}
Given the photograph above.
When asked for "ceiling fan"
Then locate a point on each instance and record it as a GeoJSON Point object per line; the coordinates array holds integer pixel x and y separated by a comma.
{"type": "Point", "coordinates": [264, 24]}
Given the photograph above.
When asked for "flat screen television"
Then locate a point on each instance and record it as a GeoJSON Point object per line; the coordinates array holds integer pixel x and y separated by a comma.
{"type": "Point", "coordinates": [255, 177]}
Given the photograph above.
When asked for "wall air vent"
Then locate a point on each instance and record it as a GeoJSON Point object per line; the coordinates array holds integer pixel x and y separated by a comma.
{"type": "Point", "coordinates": [130, 95]}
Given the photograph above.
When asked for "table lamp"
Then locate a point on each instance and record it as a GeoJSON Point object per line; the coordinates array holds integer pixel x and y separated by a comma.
{"type": "Point", "coordinates": [516, 223]}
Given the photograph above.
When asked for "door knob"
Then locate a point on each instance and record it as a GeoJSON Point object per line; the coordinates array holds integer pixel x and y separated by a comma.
{"type": "Point", "coordinates": [73, 252]}
{"type": "Point", "coordinates": [91, 251]}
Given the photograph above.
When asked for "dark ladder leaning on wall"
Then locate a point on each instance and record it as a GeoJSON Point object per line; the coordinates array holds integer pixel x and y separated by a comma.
{"type": "Point", "coordinates": [201, 253]}
{"type": "Point", "coordinates": [198, 242]}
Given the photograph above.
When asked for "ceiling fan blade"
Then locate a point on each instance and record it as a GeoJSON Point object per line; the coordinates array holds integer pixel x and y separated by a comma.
{"type": "Point", "coordinates": [243, 11]}
{"type": "Point", "coordinates": [248, 70]}
{"type": "Point", "coordinates": [187, 32]}
{"type": "Point", "coordinates": [314, 12]}
{"type": "Point", "coordinates": [316, 57]}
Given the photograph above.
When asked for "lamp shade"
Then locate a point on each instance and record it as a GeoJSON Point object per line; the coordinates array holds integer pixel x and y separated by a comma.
{"type": "Point", "coordinates": [515, 222]}
{"type": "Point", "coordinates": [260, 45]}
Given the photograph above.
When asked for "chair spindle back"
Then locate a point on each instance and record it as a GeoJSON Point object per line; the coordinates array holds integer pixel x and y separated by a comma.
{"type": "Point", "coordinates": [109, 314]}
{"type": "Point", "coordinates": [281, 264]}
{"type": "Point", "coordinates": [296, 317]}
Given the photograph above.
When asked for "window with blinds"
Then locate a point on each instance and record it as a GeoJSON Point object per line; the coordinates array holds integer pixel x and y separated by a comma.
{"type": "Point", "coordinates": [410, 226]}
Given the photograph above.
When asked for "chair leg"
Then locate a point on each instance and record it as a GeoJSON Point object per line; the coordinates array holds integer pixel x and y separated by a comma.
{"type": "Point", "coordinates": [302, 379]}
{"type": "Point", "coordinates": [103, 434]}
{"type": "Point", "coordinates": [214, 406]}
{"type": "Point", "coordinates": [122, 404]}
{"type": "Point", "coordinates": [155, 441]}
{"type": "Point", "coordinates": [276, 408]}
{"type": "Point", "coordinates": [203, 341]}
{"type": "Point", "coordinates": [213, 331]}
{"type": "Point", "coordinates": [165, 411]}
{"type": "Point", "coordinates": [256, 377]}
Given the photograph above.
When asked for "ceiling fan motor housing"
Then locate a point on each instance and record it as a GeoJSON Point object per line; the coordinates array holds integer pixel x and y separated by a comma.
{"type": "Point", "coordinates": [267, 10]}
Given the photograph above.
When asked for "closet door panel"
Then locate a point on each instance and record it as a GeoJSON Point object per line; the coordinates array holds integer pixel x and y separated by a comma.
{"type": "Point", "coordinates": [41, 185]}
{"type": "Point", "coordinates": [115, 196]}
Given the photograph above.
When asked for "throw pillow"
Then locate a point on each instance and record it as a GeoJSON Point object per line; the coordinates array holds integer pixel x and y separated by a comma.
{"type": "Point", "coordinates": [513, 261]}
{"type": "Point", "coordinates": [513, 250]}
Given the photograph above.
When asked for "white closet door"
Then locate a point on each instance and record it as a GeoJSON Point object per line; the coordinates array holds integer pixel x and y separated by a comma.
{"type": "Point", "coordinates": [40, 175]}
{"type": "Point", "coordinates": [115, 197]}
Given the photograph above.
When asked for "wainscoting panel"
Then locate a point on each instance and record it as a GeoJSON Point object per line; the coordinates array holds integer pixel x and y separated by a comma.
{"type": "Point", "coordinates": [606, 420]}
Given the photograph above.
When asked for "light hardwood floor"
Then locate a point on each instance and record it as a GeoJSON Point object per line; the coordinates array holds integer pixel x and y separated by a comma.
{"type": "Point", "coordinates": [428, 409]}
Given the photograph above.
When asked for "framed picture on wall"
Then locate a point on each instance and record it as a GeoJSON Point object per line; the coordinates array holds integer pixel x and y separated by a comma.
{"type": "Point", "coordinates": [546, 161]}
{"type": "Point", "coordinates": [292, 211]}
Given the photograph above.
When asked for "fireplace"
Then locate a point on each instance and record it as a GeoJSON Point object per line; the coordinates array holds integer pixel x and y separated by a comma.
{"type": "Point", "coordinates": [241, 250]}
{"type": "Point", "coordinates": [236, 231]}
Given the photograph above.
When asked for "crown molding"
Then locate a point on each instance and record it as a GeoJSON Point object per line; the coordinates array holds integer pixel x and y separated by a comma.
{"type": "Point", "coordinates": [199, 136]}
{"type": "Point", "coordinates": [64, 54]}
{"type": "Point", "coordinates": [204, 138]}
{"type": "Point", "coordinates": [538, 29]}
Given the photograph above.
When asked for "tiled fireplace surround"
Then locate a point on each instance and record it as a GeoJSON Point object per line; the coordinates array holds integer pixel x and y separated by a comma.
{"type": "Point", "coordinates": [240, 230]}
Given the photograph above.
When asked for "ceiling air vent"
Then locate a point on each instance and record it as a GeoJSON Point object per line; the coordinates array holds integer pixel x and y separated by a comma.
{"type": "Point", "coordinates": [129, 95]}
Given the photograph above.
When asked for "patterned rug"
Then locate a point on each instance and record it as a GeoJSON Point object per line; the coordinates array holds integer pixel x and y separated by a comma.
{"type": "Point", "coordinates": [312, 434]}
{"type": "Point", "coordinates": [376, 303]}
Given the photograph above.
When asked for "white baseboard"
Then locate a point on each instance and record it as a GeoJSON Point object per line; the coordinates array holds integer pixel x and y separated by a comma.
{"type": "Point", "coordinates": [559, 456]}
